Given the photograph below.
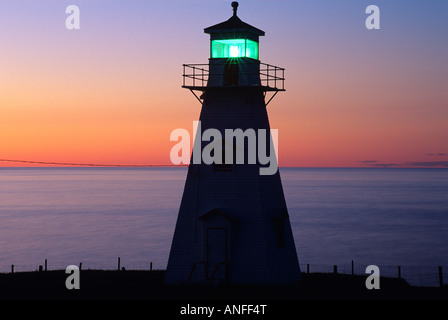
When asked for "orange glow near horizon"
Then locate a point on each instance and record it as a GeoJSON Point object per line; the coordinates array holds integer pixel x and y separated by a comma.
{"type": "Point", "coordinates": [111, 92]}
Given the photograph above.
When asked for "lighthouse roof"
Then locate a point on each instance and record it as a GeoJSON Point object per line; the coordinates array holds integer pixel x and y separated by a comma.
{"type": "Point", "coordinates": [234, 25]}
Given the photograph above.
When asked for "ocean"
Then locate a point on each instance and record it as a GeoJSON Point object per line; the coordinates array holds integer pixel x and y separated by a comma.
{"type": "Point", "coordinates": [387, 217]}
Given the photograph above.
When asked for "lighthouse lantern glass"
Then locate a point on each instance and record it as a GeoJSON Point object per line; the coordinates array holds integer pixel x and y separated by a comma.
{"type": "Point", "coordinates": [234, 48]}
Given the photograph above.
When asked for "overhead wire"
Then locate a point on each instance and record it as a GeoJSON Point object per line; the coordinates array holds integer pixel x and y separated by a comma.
{"type": "Point", "coordinates": [89, 164]}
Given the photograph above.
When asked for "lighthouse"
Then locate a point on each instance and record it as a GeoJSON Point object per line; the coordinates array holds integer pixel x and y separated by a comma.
{"type": "Point", "coordinates": [233, 224]}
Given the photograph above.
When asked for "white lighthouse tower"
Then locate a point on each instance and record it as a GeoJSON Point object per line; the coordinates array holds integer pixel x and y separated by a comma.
{"type": "Point", "coordinates": [233, 224]}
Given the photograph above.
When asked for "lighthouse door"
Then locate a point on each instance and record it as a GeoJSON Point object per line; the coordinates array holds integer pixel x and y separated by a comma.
{"type": "Point", "coordinates": [216, 254]}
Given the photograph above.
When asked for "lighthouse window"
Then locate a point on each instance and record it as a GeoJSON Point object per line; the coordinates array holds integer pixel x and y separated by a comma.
{"type": "Point", "coordinates": [234, 48]}
{"type": "Point", "coordinates": [251, 49]}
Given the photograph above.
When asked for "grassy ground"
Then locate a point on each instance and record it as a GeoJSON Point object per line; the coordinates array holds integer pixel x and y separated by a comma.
{"type": "Point", "coordinates": [131, 284]}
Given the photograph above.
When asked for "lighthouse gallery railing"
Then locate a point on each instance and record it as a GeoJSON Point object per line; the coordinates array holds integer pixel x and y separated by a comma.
{"type": "Point", "coordinates": [196, 76]}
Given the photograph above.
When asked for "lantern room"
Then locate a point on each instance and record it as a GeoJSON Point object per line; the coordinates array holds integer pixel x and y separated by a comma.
{"type": "Point", "coordinates": [234, 38]}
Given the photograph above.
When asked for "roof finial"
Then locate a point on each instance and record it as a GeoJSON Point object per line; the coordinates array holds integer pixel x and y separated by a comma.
{"type": "Point", "coordinates": [235, 7]}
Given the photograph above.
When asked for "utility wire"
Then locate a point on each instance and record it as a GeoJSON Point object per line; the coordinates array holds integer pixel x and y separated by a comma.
{"type": "Point", "coordinates": [91, 164]}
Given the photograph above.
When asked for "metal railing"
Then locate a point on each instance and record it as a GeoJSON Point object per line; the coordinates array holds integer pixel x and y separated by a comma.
{"type": "Point", "coordinates": [270, 73]}
{"type": "Point", "coordinates": [193, 271]}
{"type": "Point", "coordinates": [218, 273]}
{"type": "Point", "coordinates": [197, 75]}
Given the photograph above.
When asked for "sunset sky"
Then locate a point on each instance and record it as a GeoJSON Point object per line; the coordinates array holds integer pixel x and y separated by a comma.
{"type": "Point", "coordinates": [111, 93]}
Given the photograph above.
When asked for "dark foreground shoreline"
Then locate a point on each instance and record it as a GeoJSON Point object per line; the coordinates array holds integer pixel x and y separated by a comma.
{"type": "Point", "coordinates": [148, 285]}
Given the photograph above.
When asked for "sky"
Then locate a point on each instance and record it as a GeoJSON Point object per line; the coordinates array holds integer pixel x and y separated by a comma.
{"type": "Point", "coordinates": [110, 92]}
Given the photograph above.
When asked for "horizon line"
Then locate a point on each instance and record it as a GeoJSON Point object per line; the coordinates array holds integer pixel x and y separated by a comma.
{"type": "Point", "coordinates": [54, 164]}
{"type": "Point", "coordinates": [186, 167]}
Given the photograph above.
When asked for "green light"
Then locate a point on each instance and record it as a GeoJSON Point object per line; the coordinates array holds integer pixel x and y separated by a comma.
{"type": "Point", "coordinates": [234, 51]}
{"type": "Point", "coordinates": [234, 48]}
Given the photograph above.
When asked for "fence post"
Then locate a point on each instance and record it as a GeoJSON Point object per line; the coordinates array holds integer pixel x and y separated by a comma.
{"type": "Point", "coordinates": [353, 267]}
{"type": "Point", "coordinates": [80, 266]}
{"type": "Point", "coordinates": [12, 268]}
{"type": "Point", "coordinates": [118, 263]}
{"type": "Point", "coordinates": [399, 272]}
{"type": "Point", "coordinates": [307, 268]}
{"type": "Point", "coordinates": [45, 265]}
{"type": "Point", "coordinates": [150, 266]}
{"type": "Point", "coordinates": [335, 269]}
{"type": "Point", "coordinates": [440, 276]}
